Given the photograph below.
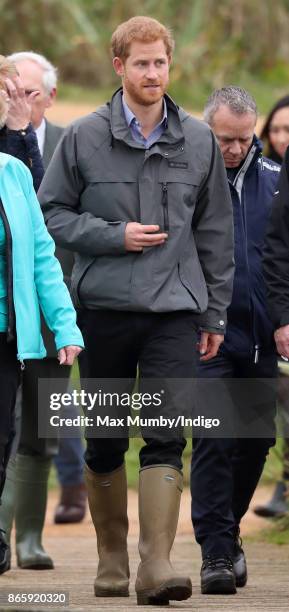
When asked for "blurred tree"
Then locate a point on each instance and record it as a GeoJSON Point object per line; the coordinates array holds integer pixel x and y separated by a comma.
{"type": "Point", "coordinates": [216, 41]}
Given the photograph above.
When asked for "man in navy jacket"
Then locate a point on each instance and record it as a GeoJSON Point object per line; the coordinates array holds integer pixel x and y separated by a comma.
{"type": "Point", "coordinates": [225, 471]}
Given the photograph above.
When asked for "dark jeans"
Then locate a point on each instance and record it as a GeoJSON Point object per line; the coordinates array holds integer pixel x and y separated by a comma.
{"type": "Point", "coordinates": [9, 381]}
{"type": "Point", "coordinates": [30, 443]}
{"type": "Point", "coordinates": [162, 345]}
{"type": "Point", "coordinates": [66, 452]}
{"type": "Point", "coordinates": [225, 472]}
{"type": "Point", "coordinates": [70, 460]}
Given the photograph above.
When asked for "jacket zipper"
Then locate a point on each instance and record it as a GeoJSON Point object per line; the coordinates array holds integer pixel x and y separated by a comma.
{"type": "Point", "coordinates": [165, 206]}
{"type": "Point", "coordinates": [10, 304]}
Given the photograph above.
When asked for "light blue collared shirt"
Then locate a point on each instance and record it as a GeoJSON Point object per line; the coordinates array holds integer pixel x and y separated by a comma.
{"type": "Point", "coordinates": [135, 126]}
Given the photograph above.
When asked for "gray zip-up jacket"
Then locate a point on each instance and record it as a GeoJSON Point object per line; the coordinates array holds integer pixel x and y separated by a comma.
{"type": "Point", "coordinates": [99, 179]}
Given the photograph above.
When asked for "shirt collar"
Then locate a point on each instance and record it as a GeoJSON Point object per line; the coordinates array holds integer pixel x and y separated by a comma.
{"type": "Point", "coordinates": [40, 133]}
{"type": "Point", "coordinates": [130, 117]}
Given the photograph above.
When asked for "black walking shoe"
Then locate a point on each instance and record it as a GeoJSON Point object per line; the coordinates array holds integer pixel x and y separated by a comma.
{"type": "Point", "coordinates": [217, 576]}
{"type": "Point", "coordinates": [5, 554]}
{"type": "Point", "coordinates": [239, 564]}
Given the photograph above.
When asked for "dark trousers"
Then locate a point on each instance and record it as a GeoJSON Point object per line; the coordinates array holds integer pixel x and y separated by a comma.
{"type": "Point", "coordinates": [226, 471]}
{"type": "Point", "coordinates": [30, 443]}
{"type": "Point", "coordinates": [162, 345]}
{"type": "Point", "coordinates": [9, 381]}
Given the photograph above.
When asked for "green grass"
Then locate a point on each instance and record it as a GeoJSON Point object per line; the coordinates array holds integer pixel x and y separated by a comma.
{"type": "Point", "coordinates": [277, 532]}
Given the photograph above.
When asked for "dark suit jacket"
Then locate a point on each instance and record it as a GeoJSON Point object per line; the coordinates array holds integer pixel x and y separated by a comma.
{"type": "Point", "coordinates": [53, 134]}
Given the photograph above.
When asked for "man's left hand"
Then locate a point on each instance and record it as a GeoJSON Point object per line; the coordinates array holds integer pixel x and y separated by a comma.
{"type": "Point", "coordinates": [209, 345]}
{"type": "Point", "coordinates": [281, 336]}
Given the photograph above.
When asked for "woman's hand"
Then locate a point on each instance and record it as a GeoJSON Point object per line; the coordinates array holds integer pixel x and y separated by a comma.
{"type": "Point", "coordinates": [67, 354]}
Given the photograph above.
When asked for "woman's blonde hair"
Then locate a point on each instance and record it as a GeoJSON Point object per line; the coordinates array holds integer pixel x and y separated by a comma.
{"type": "Point", "coordinates": [7, 70]}
{"type": "Point", "coordinates": [3, 109]}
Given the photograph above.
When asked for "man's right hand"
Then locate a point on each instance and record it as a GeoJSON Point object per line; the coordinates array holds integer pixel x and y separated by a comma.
{"type": "Point", "coordinates": [19, 113]}
{"type": "Point", "coordinates": [138, 236]}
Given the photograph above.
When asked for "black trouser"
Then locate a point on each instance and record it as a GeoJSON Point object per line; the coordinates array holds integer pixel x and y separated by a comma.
{"type": "Point", "coordinates": [9, 381]}
{"type": "Point", "coordinates": [225, 472]}
{"type": "Point", "coordinates": [30, 443]}
{"type": "Point", "coordinates": [162, 345]}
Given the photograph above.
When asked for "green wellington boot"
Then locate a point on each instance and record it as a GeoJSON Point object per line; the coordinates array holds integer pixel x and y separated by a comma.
{"type": "Point", "coordinates": [107, 499]}
{"type": "Point", "coordinates": [157, 582]}
{"type": "Point", "coordinates": [7, 507]}
{"type": "Point", "coordinates": [31, 496]}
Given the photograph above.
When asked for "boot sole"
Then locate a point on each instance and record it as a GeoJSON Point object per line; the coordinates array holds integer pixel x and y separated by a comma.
{"type": "Point", "coordinates": [35, 566]}
{"type": "Point", "coordinates": [111, 593]}
{"type": "Point", "coordinates": [5, 567]}
{"type": "Point", "coordinates": [266, 513]}
{"type": "Point", "coordinates": [219, 587]}
{"type": "Point", "coordinates": [176, 590]}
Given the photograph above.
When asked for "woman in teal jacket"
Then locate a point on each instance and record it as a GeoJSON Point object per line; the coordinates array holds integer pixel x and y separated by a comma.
{"type": "Point", "coordinates": [30, 280]}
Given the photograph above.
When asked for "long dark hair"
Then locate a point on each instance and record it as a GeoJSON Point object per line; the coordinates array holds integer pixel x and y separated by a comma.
{"type": "Point", "coordinates": [270, 152]}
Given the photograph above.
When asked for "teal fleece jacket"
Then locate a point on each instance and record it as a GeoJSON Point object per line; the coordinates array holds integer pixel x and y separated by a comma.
{"type": "Point", "coordinates": [37, 276]}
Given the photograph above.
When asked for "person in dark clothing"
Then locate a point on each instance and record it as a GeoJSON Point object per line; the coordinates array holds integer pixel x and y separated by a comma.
{"type": "Point", "coordinates": [225, 471]}
{"type": "Point", "coordinates": [275, 131]}
{"type": "Point", "coordinates": [275, 136]}
{"type": "Point", "coordinates": [17, 136]}
{"type": "Point", "coordinates": [276, 256]}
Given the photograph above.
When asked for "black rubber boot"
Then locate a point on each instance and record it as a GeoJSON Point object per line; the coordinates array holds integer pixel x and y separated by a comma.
{"type": "Point", "coordinates": [278, 505]}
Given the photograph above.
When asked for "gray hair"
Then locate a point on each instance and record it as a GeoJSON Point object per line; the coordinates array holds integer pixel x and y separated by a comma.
{"type": "Point", "coordinates": [237, 99]}
{"type": "Point", "coordinates": [49, 71]}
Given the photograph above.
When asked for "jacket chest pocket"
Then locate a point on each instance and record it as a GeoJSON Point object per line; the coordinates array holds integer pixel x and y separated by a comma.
{"type": "Point", "coordinates": [178, 191]}
{"type": "Point", "coordinates": [110, 196]}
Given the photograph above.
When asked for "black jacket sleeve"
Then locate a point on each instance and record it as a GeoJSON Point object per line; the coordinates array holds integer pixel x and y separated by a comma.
{"type": "Point", "coordinates": [23, 145]}
{"type": "Point", "coordinates": [276, 251]}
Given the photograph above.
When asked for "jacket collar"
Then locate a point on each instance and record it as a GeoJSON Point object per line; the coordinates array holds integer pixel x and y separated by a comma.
{"type": "Point", "coordinates": [173, 134]}
{"type": "Point", "coordinates": [248, 165]}
{"type": "Point", "coordinates": [254, 153]}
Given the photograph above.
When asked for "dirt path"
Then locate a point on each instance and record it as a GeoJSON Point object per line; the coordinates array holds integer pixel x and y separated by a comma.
{"type": "Point", "coordinates": [73, 550]}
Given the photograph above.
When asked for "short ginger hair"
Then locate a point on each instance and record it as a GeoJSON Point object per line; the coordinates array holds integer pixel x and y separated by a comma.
{"type": "Point", "coordinates": [140, 29]}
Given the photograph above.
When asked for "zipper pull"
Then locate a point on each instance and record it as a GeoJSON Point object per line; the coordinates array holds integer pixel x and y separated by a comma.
{"type": "Point", "coordinates": [22, 365]}
{"type": "Point", "coordinates": [256, 354]}
{"type": "Point", "coordinates": [165, 206]}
